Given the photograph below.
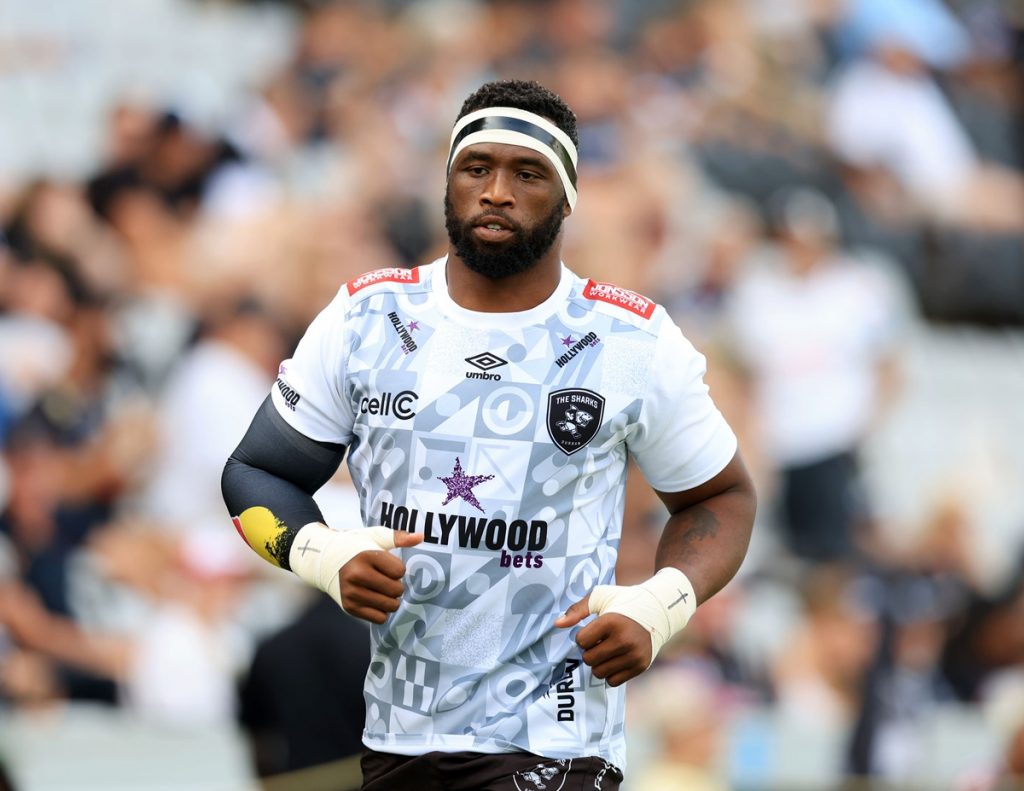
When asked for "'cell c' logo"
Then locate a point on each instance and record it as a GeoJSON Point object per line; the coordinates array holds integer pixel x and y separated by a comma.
{"type": "Point", "coordinates": [403, 404]}
{"type": "Point", "coordinates": [400, 405]}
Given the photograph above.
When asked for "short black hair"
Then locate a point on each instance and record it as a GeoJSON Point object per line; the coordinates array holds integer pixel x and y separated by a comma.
{"type": "Point", "coordinates": [524, 95]}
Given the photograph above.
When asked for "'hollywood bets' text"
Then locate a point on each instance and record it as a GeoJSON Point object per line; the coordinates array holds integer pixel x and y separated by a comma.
{"type": "Point", "coordinates": [519, 540]}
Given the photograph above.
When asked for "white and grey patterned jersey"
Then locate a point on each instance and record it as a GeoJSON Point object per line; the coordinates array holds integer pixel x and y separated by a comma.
{"type": "Point", "coordinates": [503, 438]}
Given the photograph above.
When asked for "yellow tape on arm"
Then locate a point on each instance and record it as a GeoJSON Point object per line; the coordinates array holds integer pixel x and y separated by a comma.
{"type": "Point", "coordinates": [262, 531]}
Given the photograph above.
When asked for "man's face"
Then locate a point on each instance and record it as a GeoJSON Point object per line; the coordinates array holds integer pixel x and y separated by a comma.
{"type": "Point", "coordinates": [503, 208]}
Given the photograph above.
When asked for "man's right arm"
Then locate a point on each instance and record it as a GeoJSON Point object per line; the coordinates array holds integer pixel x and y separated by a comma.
{"type": "Point", "coordinates": [269, 481]}
{"type": "Point", "coordinates": [268, 485]}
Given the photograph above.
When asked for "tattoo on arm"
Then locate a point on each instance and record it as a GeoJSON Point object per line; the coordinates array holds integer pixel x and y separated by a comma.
{"type": "Point", "coordinates": [691, 527]}
{"type": "Point", "coordinates": [703, 524]}
{"type": "Point", "coordinates": [708, 532]}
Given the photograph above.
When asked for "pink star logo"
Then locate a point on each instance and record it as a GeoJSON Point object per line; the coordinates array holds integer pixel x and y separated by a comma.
{"type": "Point", "coordinates": [414, 325]}
{"type": "Point", "coordinates": [567, 341]}
{"type": "Point", "coordinates": [461, 485]}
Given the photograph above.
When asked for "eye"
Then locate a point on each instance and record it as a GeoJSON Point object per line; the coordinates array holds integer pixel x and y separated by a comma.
{"type": "Point", "coordinates": [527, 175]}
{"type": "Point", "coordinates": [476, 170]}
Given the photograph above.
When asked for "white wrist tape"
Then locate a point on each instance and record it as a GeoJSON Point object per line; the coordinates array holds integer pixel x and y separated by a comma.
{"type": "Point", "coordinates": [318, 553]}
{"type": "Point", "coordinates": [662, 605]}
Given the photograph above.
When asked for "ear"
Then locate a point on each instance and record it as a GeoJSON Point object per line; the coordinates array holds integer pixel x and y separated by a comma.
{"type": "Point", "coordinates": [566, 209]}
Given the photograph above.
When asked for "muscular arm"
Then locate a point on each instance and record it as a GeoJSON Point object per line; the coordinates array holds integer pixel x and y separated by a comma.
{"type": "Point", "coordinates": [708, 530]}
{"type": "Point", "coordinates": [269, 481]}
{"type": "Point", "coordinates": [706, 538]}
{"type": "Point", "coordinates": [268, 485]}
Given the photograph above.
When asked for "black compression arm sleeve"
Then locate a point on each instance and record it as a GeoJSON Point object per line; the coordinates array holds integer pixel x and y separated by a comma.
{"type": "Point", "coordinates": [278, 468]}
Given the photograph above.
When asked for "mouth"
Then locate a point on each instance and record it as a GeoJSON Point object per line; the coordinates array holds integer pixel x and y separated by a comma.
{"type": "Point", "coordinates": [492, 229]}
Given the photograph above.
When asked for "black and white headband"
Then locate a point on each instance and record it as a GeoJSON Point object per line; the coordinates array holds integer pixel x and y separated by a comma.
{"type": "Point", "coordinates": [515, 127]}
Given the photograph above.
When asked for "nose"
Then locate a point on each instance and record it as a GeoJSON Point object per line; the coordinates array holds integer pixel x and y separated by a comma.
{"type": "Point", "coordinates": [498, 189]}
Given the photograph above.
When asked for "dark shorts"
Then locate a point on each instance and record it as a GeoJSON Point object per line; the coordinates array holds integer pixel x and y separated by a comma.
{"type": "Point", "coordinates": [823, 506]}
{"type": "Point", "coordinates": [482, 772]}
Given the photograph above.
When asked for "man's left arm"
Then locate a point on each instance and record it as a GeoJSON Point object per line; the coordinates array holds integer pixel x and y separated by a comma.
{"type": "Point", "coordinates": [708, 529]}
{"type": "Point", "coordinates": [701, 549]}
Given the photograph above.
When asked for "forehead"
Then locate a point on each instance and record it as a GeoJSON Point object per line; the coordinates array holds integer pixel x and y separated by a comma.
{"type": "Point", "coordinates": [504, 154]}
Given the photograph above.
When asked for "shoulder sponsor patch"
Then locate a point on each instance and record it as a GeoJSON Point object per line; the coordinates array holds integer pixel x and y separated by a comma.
{"type": "Point", "coordinates": [394, 274]}
{"type": "Point", "coordinates": [623, 297]}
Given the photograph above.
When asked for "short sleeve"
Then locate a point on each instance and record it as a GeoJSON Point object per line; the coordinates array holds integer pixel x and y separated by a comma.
{"type": "Point", "coordinates": [308, 392]}
{"type": "Point", "coordinates": [681, 439]}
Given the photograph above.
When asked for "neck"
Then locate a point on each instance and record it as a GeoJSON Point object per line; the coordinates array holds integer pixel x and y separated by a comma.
{"type": "Point", "coordinates": [519, 292]}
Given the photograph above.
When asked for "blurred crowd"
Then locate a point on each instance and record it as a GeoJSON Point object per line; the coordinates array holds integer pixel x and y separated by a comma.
{"type": "Point", "coordinates": [802, 183]}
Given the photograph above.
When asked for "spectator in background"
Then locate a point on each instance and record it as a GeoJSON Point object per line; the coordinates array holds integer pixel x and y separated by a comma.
{"type": "Point", "coordinates": [52, 221]}
{"type": "Point", "coordinates": [817, 677]}
{"type": "Point", "coordinates": [683, 720]}
{"type": "Point", "coordinates": [35, 349]}
{"type": "Point", "coordinates": [988, 639]}
{"type": "Point", "coordinates": [68, 459]}
{"type": "Point", "coordinates": [177, 663]}
{"type": "Point", "coordinates": [42, 527]}
{"type": "Point", "coordinates": [905, 685]}
{"type": "Point", "coordinates": [888, 115]}
{"type": "Point", "coordinates": [70, 455]}
{"type": "Point", "coordinates": [1005, 712]}
{"type": "Point", "coordinates": [202, 413]}
{"type": "Point", "coordinates": [322, 656]}
{"type": "Point", "coordinates": [616, 161]}
{"type": "Point", "coordinates": [817, 332]}
{"type": "Point", "coordinates": [723, 235]}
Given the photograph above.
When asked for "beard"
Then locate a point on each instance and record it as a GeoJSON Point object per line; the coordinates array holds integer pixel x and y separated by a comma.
{"type": "Point", "coordinates": [500, 260]}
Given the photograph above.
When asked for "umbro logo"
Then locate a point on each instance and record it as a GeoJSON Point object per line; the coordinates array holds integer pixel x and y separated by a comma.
{"type": "Point", "coordinates": [485, 362]}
